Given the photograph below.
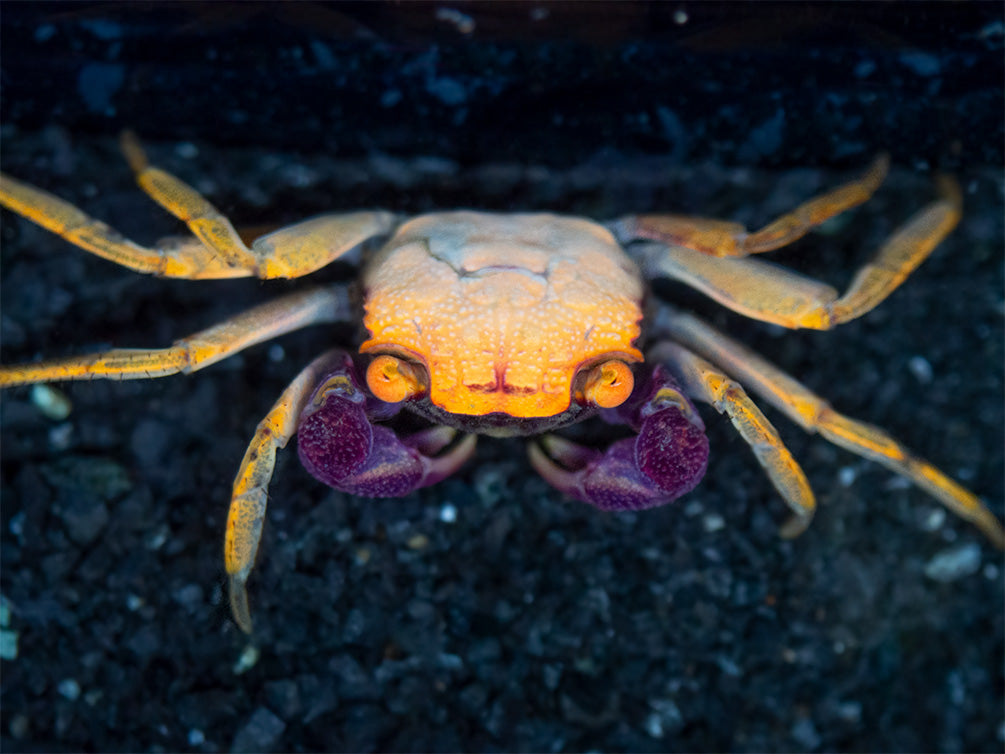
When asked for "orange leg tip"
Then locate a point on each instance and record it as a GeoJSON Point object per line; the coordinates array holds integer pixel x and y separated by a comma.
{"type": "Point", "coordinates": [239, 604]}
{"type": "Point", "coordinates": [991, 527]}
{"type": "Point", "coordinates": [795, 526]}
{"type": "Point", "coordinates": [129, 143]}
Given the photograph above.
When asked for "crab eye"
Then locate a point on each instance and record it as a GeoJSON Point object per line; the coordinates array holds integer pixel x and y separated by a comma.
{"type": "Point", "coordinates": [393, 380]}
{"type": "Point", "coordinates": [609, 384]}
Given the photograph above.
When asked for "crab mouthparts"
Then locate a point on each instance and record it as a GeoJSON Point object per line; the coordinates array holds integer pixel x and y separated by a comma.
{"type": "Point", "coordinates": [502, 394]}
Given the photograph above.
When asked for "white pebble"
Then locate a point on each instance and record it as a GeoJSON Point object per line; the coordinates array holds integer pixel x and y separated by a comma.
{"type": "Point", "coordinates": [654, 726]}
{"type": "Point", "coordinates": [693, 508]}
{"type": "Point", "coordinates": [464, 23]}
{"type": "Point", "coordinates": [713, 522]}
{"type": "Point", "coordinates": [954, 563]}
{"type": "Point", "coordinates": [51, 402]}
{"type": "Point", "coordinates": [247, 660]}
{"type": "Point", "coordinates": [8, 644]}
{"type": "Point", "coordinates": [934, 520]}
{"type": "Point", "coordinates": [846, 476]}
{"type": "Point", "coordinates": [69, 689]}
{"type": "Point", "coordinates": [921, 369]}
{"type": "Point", "coordinates": [187, 150]}
{"type": "Point", "coordinates": [448, 513]}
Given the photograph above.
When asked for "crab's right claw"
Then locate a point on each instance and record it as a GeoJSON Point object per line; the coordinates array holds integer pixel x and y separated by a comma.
{"type": "Point", "coordinates": [665, 460]}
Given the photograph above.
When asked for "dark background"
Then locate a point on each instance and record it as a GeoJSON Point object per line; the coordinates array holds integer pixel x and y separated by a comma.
{"type": "Point", "coordinates": [529, 622]}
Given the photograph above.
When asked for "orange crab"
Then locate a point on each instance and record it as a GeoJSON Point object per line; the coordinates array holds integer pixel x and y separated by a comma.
{"type": "Point", "coordinates": [510, 324]}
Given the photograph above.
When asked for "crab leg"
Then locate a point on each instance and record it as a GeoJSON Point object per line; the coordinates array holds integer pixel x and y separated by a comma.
{"type": "Point", "coordinates": [249, 499]}
{"type": "Point", "coordinates": [205, 221]}
{"type": "Point", "coordinates": [270, 320]}
{"type": "Point", "coordinates": [217, 251]}
{"type": "Point", "coordinates": [770, 293]}
{"type": "Point", "coordinates": [720, 238]}
{"type": "Point", "coordinates": [813, 414]}
{"type": "Point", "coordinates": [702, 381]}
{"type": "Point", "coordinates": [290, 252]}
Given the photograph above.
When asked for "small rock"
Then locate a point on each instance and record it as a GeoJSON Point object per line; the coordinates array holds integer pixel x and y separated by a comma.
{"type": "Point", "coordinates": [20, 726]}
{"type": "Point", "coordinates": [284, 697]}
{"type": "Point", "coordinates": [805, 734]}
{"type": "Point", "coordinates": [189, 596]}
{"type": "Point", "coordinates": [247, 660]}
{"type": "Point", "coordinates": [260, 733]}
{"type": "Point", "coordinates": [8, 644]}
{"type": "Point", "coordinates": [84, 517]}
{"type": "Point", "coordinates": [100, 477]}
{"type": "Point", "coordinates": [51, 402]}
{"type": "Point", "coordinates": [418, 542]}
{"type": "Point", "coordinates": [921, 368]}
{"type": "Point", "coordinates": [713, 522]}
{"type": "Point", "coordinates": [954, 563]}
{"type": "Point", "coordinates": [353, 681]}
{"type": "Point", "coordinates": [589, 702]}
{"type": "Point", "coordinates": [69, 689]}
{"type": "Point", "coordinates": [145, 642]}
{"type": "Point", "coordinates": [665, 719]}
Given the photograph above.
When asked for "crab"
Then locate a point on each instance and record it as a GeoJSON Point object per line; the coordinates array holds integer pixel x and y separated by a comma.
{"type": "Point", "coordinates": [479, 323]}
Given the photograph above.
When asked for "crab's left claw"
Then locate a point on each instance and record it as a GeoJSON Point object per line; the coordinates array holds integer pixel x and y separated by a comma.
{"type": "Point", "coordinates": [339, 445]}
{"type": "Point", "coordinates": [664, 461]}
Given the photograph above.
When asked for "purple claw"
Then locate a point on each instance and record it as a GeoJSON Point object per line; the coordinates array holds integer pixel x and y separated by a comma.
{"type": "Point", "coordinates": [338, 444]}
{"type": "Point", "coordinates": [666, 460]}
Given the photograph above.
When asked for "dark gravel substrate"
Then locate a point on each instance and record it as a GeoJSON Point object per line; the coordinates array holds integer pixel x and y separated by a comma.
{"type": "Point", "coordinates": [487, 613]}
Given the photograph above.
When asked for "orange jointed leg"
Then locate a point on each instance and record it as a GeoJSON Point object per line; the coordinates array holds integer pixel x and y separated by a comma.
{"type": "Point", "coordinates": [250, 495]}
{"type": "Point", "coordinates": [704, 382]}
{"type": "Point", "coordinates": [774, 294]}
{"type": "Point", "coordinates": [184, 259]}
{"type": "Point", "coordinates": [68, 222]}
{"type": "Point", "coordinates": [321, 305]}
{"type": "Point", "coordinates": [217, 251]}
{"type": "Point", "coordinates": [290, 252]}
{"type": "Point", "coordinates": [813, 414]}
{"type": "Point", "coordinates": [205, 221]}
{"type": "Point", "coordinates": [720, 238]}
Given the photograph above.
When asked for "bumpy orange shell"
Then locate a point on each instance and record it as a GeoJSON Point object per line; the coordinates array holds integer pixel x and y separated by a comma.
{"type": "Point", "coordinates": [503, 310]}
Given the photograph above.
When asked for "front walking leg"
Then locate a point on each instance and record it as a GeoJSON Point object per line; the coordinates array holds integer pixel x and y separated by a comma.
{"type": "Point", "coordinates": [814, 414]}
{"type": "Point", "coordinates": [249, 499]}
{"type": "Point", "coordinates": [702, 381]}
{"type": "Point", "coordinates": [339, 444]}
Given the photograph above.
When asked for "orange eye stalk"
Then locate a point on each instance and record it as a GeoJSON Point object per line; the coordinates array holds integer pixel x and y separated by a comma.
{"type": "Point", "coordinates": [392, 380]}
{"type": "Point", "coordinates": [609, 384]}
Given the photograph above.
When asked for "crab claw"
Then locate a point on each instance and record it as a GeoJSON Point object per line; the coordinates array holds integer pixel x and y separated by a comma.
{"type": "Point", "coordinates": [340, 446]}
{"type": "Point", "coordinates": [664, 461]}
